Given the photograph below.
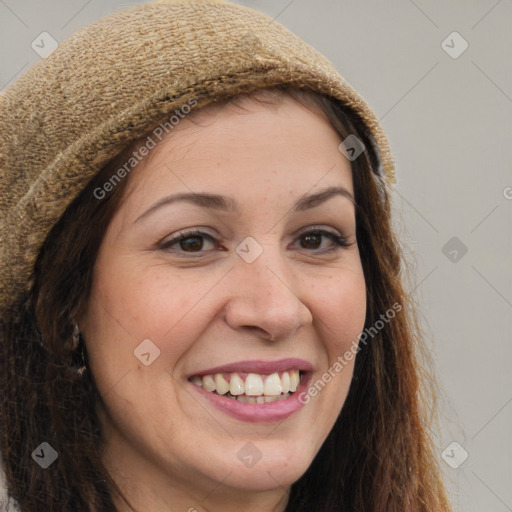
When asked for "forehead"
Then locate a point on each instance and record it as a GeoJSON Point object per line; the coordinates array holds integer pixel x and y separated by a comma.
{"type": "Point", "coordinates": [253, 141]}
{"type": "Point", "coordinates": [264, 157]}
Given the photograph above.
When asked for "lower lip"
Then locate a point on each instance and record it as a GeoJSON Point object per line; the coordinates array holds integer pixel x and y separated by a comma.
{"type": "Point", "coordinates": [257, 413]}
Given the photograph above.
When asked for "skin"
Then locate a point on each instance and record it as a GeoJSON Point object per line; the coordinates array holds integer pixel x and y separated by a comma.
{"type": "Point", "coordinates": [169, 450]}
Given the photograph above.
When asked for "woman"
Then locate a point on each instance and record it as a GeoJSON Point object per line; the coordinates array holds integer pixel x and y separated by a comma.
{"type": "Point", "coordinates": [201, 297]}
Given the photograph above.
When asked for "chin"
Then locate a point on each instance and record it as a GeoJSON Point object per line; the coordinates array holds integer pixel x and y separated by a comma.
{"type": "Point", "coordinates": [272, 470]}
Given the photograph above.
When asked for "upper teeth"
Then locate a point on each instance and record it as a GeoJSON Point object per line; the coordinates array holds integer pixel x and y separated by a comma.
{"type": "Point", "coordinates": [253, 385]}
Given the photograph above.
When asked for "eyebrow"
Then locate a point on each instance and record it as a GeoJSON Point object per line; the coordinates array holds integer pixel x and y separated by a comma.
{"type": "Point", "coordinates": [230, 205]}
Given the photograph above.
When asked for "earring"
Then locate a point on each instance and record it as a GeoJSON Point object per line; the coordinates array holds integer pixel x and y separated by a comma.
{"type": "Point", "coordinates": [76, 336]}
{"type": "Point", "coordinates": [78, 342]}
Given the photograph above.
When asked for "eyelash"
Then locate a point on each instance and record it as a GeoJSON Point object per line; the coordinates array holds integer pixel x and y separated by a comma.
{"type": "Point", "coordinates": [340, 242]}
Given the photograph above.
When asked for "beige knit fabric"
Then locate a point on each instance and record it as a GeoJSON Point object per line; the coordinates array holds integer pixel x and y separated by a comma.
{"type": "Point", "coordinates": [115, 80]}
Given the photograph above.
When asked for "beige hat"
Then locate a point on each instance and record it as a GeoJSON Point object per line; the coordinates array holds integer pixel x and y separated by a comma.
{"type": "Point", "coordinates": [117, 79]}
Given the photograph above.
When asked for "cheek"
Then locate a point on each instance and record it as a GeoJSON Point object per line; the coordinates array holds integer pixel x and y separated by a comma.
{"type": "Point", "coordinates": [340, 306]}
{"type": "Point", "coordinates": [147, 301]}
{"type": "Point", "coordinates": [132, 302]}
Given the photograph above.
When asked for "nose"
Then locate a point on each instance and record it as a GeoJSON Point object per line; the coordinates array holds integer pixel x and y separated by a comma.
{"type": "Point", "coordinates": [266, 298]}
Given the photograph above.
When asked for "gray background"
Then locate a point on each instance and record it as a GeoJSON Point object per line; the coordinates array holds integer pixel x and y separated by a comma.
{"type": "Point", "coordinates": [449, 124]}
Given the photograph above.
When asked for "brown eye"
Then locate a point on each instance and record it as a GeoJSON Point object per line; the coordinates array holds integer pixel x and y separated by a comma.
{"type": "Point", "coordinates": [191, 242]}
{"type": "Point", "coordinates": [313, 240]}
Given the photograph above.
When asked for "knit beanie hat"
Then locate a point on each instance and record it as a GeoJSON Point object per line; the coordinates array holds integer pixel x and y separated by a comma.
{"type": "Point", "coordinates": [120, 77]}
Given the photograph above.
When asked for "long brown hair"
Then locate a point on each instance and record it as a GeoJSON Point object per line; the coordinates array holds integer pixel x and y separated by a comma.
{"type": "Point", "coordinates": [379, 455]}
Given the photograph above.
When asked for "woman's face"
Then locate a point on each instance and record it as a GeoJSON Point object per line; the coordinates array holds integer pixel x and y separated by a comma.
{"type": "Point", "coordinates": [257, 286]}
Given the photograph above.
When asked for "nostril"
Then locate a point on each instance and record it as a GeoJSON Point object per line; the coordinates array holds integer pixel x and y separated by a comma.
{"type": "Point", "coordinates": [260, 332]}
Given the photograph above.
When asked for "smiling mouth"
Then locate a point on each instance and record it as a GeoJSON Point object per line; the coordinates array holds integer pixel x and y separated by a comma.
{"type": "Point", "coordinates": [253, 388]}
